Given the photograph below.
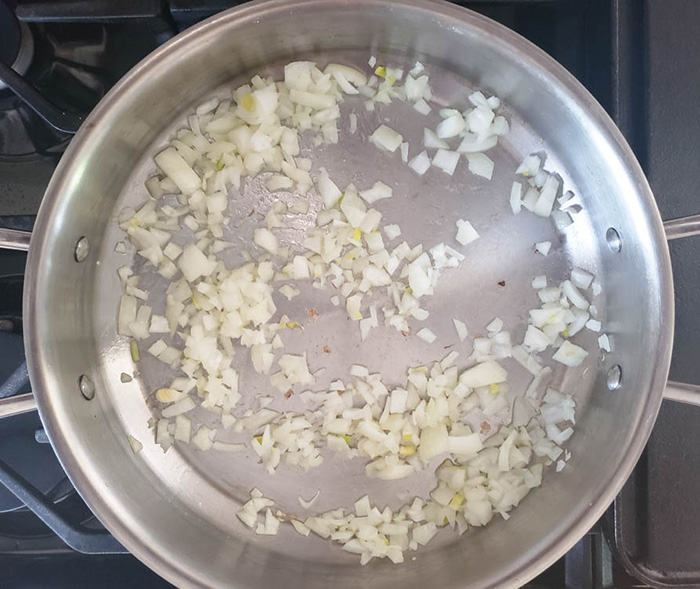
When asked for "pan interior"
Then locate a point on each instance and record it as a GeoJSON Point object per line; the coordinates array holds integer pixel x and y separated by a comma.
{"type": "Point", "coordinates": [426, 208]}
{"type": "Point", "coordinates": [182, 504]}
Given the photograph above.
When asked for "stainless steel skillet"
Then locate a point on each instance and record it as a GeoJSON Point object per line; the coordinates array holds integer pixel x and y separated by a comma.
{"type": "Point", "coordinates": [176, 512]}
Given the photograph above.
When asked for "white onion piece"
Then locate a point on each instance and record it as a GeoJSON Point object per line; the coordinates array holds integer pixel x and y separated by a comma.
{"type": "Point", "coordinates": [594, 325]}
{"type": "Point", "coordinates": [516, 197]}
{"type": "Point", "coordinates": [127, 314]}
{"type": "Point", "coordinates": [348, 73]}
{"type": "Point", "coordinates": [539, 282]}
{"type": "Point", "coordinates": [461, 329]}
{"type": "Point", "coordinates": [420, 163]}
{"type": "Point", "coordinates": [194, 264]}
{"type": "Point", "coordinates": [178, 170]}
{"type": "Point", "coordinates": [446, 161]}
{"type": "Point", "coordinates": [465, 232]}
{"type": "Point", "coordinates": [530, 166]}
{"type": "Point", "coordinates": [432, 141]}
{"type": "Point", "coordinates": [574, 295]}
{"type": "Point", "coordinates": [179, 408]}
{"type": "Point", "coordinates": [306, 504]}
{"type": "Point", "coordinates": [392, 231]}
{"type": "Point", "coordinates": [422, 107]}
{"type": "Point", "coordinates": [581, 278]}
{"type": "Point", "coordinates": [450, 127]}
{"type": "Point", "coordinates": [378, 191]}
{"type": "Point", "coordinates": [483, 374]}
{"type": "Point", "coordinates": [570, 354]}
{"type": "Point", "coordinates": [495, 325]}
{"type": "Point", "coordinates": [544, 204]}
{"type": "Point", "coordinates": [604, 343]}
{"type": "Point", "coordinates": [386, 138]}
{"type": "Point", "coordinates": [434, 441]}
{"type": "Point", "coordinates": [479, 119]}
{"type": "Point", "coordinates": [561, 219]}
{"type": "Point", "coordinates": [536, 340]}
{"type": "Point", "coordinates": [543, 247]}
{"type": "Point", "coordinates": [265, 239]}
{"type": "Point", "coordinates": [136, 446]}
{"type": "Point", "coordinates": [328, 190]}
{"type": "Point", "coordinates": [466, 447]}
{"type": "Point", "coordinates": [426, 335]}
{"type": "Point", "coordinates": [404, 152]}
{"type": "Point", "coordinates": [472, 143]}
{"type": "Point", "coordinates": [480, 165]}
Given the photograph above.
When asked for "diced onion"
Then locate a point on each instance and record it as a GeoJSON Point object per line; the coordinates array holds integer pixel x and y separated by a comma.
{"type": "Point", "coordinates": [480, 165]}
{"type": "Point", "coordinates": [386, 138]}
{"type": "Point", "coordinates": [465, 232]}
{"type": "Point", "coordinates": [420, 163]}
{"type": "Point", "coordinates": [446, 161]}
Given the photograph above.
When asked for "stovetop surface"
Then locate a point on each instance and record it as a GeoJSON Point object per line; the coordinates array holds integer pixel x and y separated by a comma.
{"type": "Point", "coordinates": [637, 59]}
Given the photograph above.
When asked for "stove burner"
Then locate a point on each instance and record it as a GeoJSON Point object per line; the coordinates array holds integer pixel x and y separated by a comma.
{"type": "Point", "coordinates": [16, 43]}
{"type": "Point", "coordinates": [67, 68]}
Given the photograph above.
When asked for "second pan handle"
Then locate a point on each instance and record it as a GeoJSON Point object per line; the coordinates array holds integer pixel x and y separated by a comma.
{"type": "Point", "coordinates": [682, 227]}
{"type": "Point", "coordinates": [676, 229]}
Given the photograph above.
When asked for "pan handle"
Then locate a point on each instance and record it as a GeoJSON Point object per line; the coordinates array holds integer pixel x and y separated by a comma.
{"type": "Point", "coordinates": [682, 393]}
{"type": "Point", "coordinates": [12, 239]}
{"type": "Point", "coordinates": [676, 229]}
{"type": "Point", "coordinates": [682, 227]}
{"type": "Point", "coordinates": [17, 405]}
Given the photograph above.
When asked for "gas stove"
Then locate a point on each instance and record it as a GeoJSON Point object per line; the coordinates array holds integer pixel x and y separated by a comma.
{"type": "Point", "coordinates": [639, 59]}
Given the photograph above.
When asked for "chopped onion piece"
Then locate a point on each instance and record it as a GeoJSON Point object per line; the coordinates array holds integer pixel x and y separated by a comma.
{"type": "Point", "coordinates": [330, 193]}
{"type": "Point", "coordinates": [570, 354]}
{"type": "Point", "coordinates": [307, 504]}
{"type": "Point", "coordinates": [604, 343]}
{"type": "Point", "coordinates": [545, 202]}
{"type": "Point", "coordinates": [530, 166]}
{"type": "Point", "coordinates": [484, 374]}
{"type": "Point", "coordinates": [465, 232]}
{"type": "Point", "coordinates": [378, 191]}
{"type": "Point", "coordinates": [539, 282]}
{"type": "Point", "coordinates": [543, 247]}
{"type": "Point", "coordinates": [581, 278]}
{"type": "Point", "coordinates": [178, 170]}
{"type": "Point", "coordinates": [450, 127]}
{"type": "Point", "coordinates": [392, 231]}
{"type": "Point", "coordinates": [446, 161]}
{"type": "Point", "coordinates": [461, 329]}
{"type": "Point", "coordinates": [386, 138]}
{"type": "Point", "coordinates": [480, 165]}
{"type": "Point", "coordinates": [516, 197]}
{"type": "Point", "coordinates": [432, 141]}
{"type": "Point", "coordinates": [265, 239]}
{"type": "Point", "coordinates": [593, 325]}
{"type": "Point", "coordinates": [136, 446]}
{"type": "Point", "coordinates": [420, 163]}
{"type": "Point", "coordinates": [422, 107]}
{"type": "Point", "coordinates": [426, 335]}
